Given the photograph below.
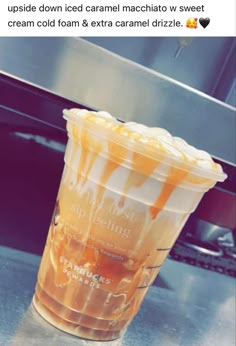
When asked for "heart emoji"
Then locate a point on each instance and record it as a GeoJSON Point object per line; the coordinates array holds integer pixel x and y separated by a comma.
{"type": "Point", "coordinates": [204, 22]}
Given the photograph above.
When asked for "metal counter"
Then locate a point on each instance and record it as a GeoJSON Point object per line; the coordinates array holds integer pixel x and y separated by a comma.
{"type": "Point", "coordinates": [186, 306]}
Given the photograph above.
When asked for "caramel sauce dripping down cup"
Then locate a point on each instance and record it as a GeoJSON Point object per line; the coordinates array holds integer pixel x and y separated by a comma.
{"type": "Point", "coordinates": [122, 202]}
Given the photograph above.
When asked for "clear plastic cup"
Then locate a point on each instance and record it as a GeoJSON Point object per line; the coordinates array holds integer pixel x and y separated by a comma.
{"type": "Point", "coordinates": [123, 201]}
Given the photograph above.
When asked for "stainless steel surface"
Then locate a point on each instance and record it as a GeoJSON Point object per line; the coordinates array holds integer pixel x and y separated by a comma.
{"type": "Point", "coordinates": [187, 306]}
{"type": "Point", "coordinates": [216, 252]}
{"type": "Point", "coordinates": [206, 231]}
{"type": "Point", "coordinates": [204, 63]}
{"type": "Point", "coordinates": [83, 72]}
{"type": "Point", "coordinates": [227, 240]}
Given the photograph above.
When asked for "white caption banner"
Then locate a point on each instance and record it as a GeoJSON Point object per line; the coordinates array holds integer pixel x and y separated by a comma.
{"type": "Point", "coordinates": [117, 18]}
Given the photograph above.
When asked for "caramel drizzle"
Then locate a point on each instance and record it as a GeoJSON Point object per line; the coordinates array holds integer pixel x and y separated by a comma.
{"type": "Point", "coordinates": [120, 153]}
{"type": "Point", "coordinates": [84, 152]}
{"type": "Point", "coordinates": [141, 163]}
{"type": "Point", "coordinates": [175, 177]}
{"type": "Point", "coordinates": [93, 155]}
{"type": "Point", "coordinates": [135, 178]}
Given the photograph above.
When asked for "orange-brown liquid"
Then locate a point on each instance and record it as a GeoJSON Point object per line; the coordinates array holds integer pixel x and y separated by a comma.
{"type": "Point", "coordinates": [104, 248]}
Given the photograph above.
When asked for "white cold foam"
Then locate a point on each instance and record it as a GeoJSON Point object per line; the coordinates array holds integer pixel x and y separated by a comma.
{"type": "Point", "coordinates": [105, 115]}
{"type": "Point", "coordinates": [176, 146]}
{"type": "Point", "coordinates": [82, 112]}
{"type": "Point", "coordinates": [159, 139]}
{"type": "Point", "coordinates": [151, 189]}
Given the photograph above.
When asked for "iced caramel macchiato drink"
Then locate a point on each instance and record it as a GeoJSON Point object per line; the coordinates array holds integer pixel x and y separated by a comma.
{"type": "Point", "coordinates": [125, 194]}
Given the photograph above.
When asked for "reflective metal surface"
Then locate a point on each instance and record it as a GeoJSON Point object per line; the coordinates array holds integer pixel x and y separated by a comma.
{"type": "Point", "coordinates": [82, 72]}
{"type": "Point", "coordinates": [187, 306]}
{"type": "Point", "coordinates": [204, 63]}
{"type": "Point", "coordinates": [208, 232]}
{"type": "Point", "coordinates": [205, 248]}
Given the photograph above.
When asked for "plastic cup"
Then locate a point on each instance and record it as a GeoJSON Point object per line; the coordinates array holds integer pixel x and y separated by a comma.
{"type": "Point", "coordinates": [122, 202]}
